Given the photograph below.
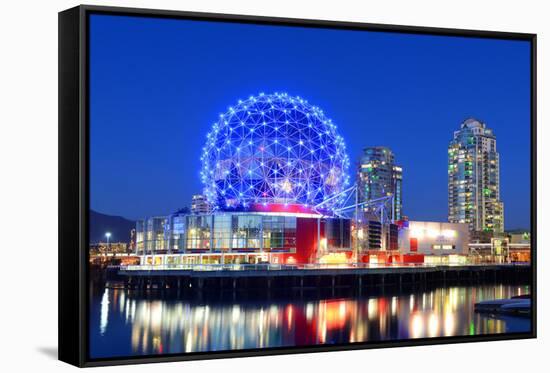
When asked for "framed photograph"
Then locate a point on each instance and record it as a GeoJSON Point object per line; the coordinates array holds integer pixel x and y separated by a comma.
{"type": "Point", "coordinates": [232, 186]}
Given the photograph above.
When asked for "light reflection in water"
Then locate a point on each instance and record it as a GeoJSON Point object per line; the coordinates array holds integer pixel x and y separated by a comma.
{"type": "Point", "coordinates": [134, 325]}
{"type": "Point", "coordinates": [104, 312]}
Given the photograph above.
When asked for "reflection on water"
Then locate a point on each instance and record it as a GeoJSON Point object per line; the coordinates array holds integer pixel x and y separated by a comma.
{"type": "Point", "coordinates": [125, 323]}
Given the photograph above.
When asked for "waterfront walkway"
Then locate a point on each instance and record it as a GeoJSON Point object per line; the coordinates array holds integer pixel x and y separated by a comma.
{"type": "Point", "coordinates": [276, 270]}
{"type": "Point", "coordinates": [272, 276]}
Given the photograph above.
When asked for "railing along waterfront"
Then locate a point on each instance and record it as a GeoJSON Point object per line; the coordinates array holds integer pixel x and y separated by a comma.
{"type": "Point", "coordinates": [278, 267]}
{"type": "Point", "coordinates": [207, 267]}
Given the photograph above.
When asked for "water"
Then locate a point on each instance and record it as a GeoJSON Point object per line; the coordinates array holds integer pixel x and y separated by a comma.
{"type": "Point", "coordinates": [125, 323]}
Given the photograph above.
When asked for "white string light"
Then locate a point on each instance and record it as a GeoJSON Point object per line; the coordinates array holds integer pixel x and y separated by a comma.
{"type": "Point", "coordinates": [274, 148]}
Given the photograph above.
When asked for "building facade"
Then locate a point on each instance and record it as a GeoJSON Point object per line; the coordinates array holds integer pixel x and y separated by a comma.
{"type": "Point", "coordinates": [378, 177]}
{"type": "Point", "coordinates": [434, 238]}
{"type": "Point", "coordinates": [373, 235]}
{"type": "Point", "coordinates": [243, 237]}
{"type": "Point", "coordinates": [150, 234]}
{"type": "Point", "coordinates": [474, 180]}
{"type": "Point", "coordinates": [519, 247]}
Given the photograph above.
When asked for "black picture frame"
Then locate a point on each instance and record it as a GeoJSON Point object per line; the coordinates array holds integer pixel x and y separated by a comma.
{"type": "Point", "coordinates": [74, 185]}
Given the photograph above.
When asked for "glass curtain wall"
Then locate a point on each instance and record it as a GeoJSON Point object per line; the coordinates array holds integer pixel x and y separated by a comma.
{"type": "Point", "coordinates": [198, 232]}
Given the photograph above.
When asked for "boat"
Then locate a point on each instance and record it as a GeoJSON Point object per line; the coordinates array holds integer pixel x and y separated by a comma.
{"type": "Point", "coordinates": [522, 308]}
{"type": "Point", "coordinates": [519, 306]}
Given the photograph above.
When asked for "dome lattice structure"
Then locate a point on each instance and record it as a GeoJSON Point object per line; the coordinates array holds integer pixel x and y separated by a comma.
{"type": "Point", "coordinates": [274, 148]}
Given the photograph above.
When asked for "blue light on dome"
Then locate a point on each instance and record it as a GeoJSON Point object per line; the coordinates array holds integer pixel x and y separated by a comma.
{"type": "Point", "coordinates": [273, 148]}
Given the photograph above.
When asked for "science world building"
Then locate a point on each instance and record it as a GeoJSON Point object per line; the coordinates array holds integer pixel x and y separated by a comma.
{"type": "Point", "coordinates": [275, 172]}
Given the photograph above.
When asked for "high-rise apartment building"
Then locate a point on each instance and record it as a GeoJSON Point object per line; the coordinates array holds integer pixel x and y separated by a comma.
{"type": "Point", "coordinates": [200, 205]}
{"type": "Point", "coordinates": [474, 186]}
{"type": "Point", "coordinates": [378, 176]}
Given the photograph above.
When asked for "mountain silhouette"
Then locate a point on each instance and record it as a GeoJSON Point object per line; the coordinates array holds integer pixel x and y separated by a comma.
{"type": "Point", "coordinates": [118, 226]}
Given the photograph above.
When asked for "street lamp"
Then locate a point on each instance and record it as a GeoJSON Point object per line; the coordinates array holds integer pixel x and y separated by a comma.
{"type": "Point", "coordinates": [108, 236]}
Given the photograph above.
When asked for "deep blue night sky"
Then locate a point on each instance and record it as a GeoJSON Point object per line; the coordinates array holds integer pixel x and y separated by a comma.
{"type": "Point", "coordinates": [157, 85]}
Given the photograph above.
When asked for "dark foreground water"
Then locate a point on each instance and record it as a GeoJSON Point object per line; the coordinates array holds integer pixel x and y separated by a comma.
{"type": "Point", "coordinates": [124, 323]}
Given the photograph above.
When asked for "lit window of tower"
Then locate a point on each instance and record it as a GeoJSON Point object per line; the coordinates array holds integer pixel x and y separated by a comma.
{"type": "Point", "coordinates": [474, 186]}
{"type": "Point", "coordinates": [379, 177]}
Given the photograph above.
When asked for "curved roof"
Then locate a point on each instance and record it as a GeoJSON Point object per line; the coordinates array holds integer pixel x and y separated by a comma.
{"type": "Point", "coordinates": [472, 123]}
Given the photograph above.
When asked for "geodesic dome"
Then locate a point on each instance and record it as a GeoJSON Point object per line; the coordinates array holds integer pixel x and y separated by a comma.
{"type": "Point", "coordinates": [273, 149]}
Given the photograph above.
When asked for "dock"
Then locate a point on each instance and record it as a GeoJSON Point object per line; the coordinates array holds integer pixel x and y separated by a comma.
{"type": "Point", "coordinates": [268, 277]}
